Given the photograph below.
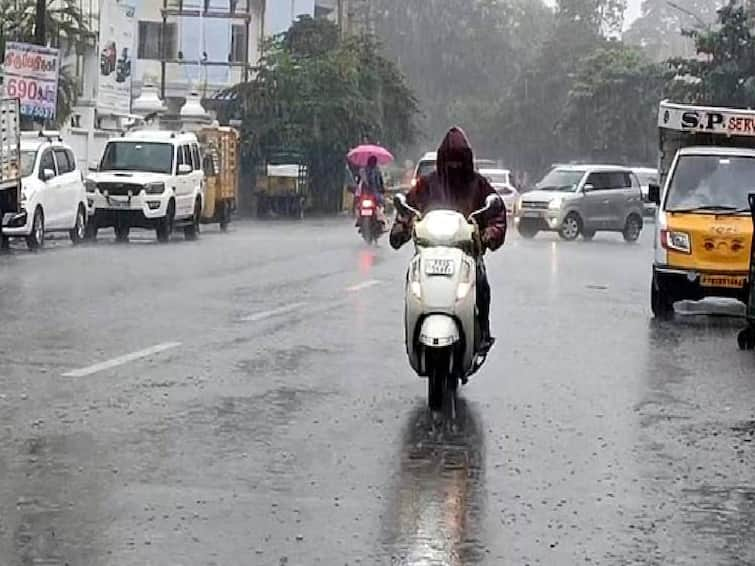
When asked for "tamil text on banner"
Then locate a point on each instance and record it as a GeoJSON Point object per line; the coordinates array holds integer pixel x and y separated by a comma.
{"type": "Point", "coordinates": [117, 33]}
{"type": "Point", "coordinates": [31, 75]}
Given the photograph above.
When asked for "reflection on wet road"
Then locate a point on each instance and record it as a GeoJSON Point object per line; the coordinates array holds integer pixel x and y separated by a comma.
{"type": "Point", "coordinates": [436, 509]}
{"type": "Point", "coordinates": [284, 427]}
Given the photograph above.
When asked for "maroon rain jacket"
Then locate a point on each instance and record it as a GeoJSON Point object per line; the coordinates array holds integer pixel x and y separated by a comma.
{"type": "Point", "coordinates": [463, 190]}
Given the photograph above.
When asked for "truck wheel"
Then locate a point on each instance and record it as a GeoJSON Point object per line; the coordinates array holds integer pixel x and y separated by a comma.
{"type": "Point", "coordinates": [571, 227]}
{"type": "Point", "coordinates": [632, 228]}
{"type": "Point", "coordinates": [191, 232]}
{"type": "Point", "coordinates": [121, 232]}
{"type": "Point", "coordinates": [91, 231]}
{"type": "Point", "coordinates": [79, 230]}
{"type": "Point", "coordinates": [660, 303]}
{"type": "Point", "coordinates": [165, 225]}
{"type": "Point", "coordinates": [527, 230]}
{"type": "Point", "coordinates": [746, 339]}
{"type": "Point", "coordinates": [225, 218]}
{"type": "Point", "coordinates": [36, 239]}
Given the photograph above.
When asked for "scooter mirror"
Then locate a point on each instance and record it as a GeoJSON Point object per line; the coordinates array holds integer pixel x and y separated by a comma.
{"type": "Point", "coordinates": [494, 204]}
{"type": "Point", "coordinates": [400, 204]}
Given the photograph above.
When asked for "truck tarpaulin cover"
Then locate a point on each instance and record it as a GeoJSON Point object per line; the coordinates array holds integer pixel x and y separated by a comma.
{"type": "Point", "coordinates": [709, 120]}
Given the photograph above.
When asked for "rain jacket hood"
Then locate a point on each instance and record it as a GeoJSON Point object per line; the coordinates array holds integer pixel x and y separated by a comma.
{"type": "Point", "coordinates": [454, 185]}
{"type": "Point", "coordinates": [455, 148]}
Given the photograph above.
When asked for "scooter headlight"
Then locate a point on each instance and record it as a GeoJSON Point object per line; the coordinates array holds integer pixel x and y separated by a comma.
{"type": "Point", "coordinates": [414, 277]}
{"type": "Point", "coordinates": [465, 279]}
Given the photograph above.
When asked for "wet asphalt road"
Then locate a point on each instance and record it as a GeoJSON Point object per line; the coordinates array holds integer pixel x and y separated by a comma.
{"type": "Point", "coordinates": [276, 420]}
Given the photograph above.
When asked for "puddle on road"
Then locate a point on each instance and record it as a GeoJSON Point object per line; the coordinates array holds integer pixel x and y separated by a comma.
{"type": "Point", "coordinates": [434, 515]}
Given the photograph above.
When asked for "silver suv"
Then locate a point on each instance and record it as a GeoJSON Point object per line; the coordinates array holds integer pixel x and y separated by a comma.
{"type": "Point", "coordinates": [583, 199]}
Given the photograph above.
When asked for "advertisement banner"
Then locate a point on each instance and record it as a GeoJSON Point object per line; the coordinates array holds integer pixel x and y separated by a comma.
{"type": "Point", "coordinates": [117, 39]}
{"type": "Point", "coordinates": [31, 75]}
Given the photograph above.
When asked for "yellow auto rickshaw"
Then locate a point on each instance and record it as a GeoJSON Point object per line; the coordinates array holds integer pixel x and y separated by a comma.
{"type": "Point", "coordinates": [221, 164]}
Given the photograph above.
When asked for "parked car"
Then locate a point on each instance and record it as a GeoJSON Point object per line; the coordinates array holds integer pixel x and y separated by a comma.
{"type": "Point", "coordinates": [151, 179]}
{"type": "Point", "coordinates": [576, 200]}
{"type": "Point", "coordinates": [501, 181]}
{"type": "Point", "coordinates": [53, 198]}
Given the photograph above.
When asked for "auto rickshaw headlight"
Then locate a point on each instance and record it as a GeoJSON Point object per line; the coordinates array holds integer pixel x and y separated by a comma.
{"type": "Point", "coordinates": [676, 241]}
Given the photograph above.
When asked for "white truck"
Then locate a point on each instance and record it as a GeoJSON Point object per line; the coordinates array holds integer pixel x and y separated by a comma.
{"type": "Point", "coordinates": [704, 228]}
{"type": "Point", "coordinates": [10, 162]}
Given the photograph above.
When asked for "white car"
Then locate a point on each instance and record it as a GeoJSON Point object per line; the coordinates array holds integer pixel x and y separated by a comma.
{"type": "Point", "coordinates": [426, 165]}
{"type": "Point", "coordinates": [647, 177]}
{"type": "Point", "coordinates": [52, 191]}
{"type": "Point", "coordinates": [501, 181]}
{"type": "Point", "coordinates": [151, 179]}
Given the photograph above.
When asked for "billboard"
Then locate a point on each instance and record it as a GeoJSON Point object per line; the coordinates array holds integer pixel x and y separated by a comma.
{"type": "Point", "coordinates": [117, 39]}
{"type": "Point", "coordinates": [31, 75]}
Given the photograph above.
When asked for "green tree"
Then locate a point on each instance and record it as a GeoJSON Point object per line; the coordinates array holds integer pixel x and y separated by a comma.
{"type": "Point", "coordinates": [461, 58]}
{"type": "Point", "coordinates": [723, 73]}
{"type": "Point", "coordinates": [658, 31]}
{"type": "Point", "coordinates": [610, 113]}
{"type": "Point", "coordinates": [596, 16]}
{"type": "Point", "coordinates": [66, 30]}
{"type": "Point", "coordinates": [322, 97]}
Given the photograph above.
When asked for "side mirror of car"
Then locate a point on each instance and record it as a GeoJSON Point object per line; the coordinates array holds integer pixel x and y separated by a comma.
{"type": "Point", "coordinates": [48, 174]}
{"type": "Point", "coordinates": [588, 188]}
{"type": "Point", "coordinates": [654, 193]}
{"type": "Point", "coordinates": [184, 169]}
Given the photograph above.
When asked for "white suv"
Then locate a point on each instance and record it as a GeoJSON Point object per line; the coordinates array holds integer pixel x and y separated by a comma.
{"type": "Point", "coordinates": [150, 179]}
{"type": "Point", "coordinates": [52, 191]}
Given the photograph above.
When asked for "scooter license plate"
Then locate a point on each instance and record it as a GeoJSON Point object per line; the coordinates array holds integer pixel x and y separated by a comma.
{"type": "Point", "coordinates": [367, 212]}
{"type": "Point", "coordinates": [439, 267]}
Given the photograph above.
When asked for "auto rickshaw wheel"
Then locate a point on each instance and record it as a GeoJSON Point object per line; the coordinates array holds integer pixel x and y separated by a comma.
{"type": "Point", "coordinates": [746, 339]}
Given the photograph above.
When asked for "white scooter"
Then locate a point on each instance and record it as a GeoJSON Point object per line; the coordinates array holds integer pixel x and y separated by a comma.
{"type": "Point", "coordinates": [441, 322]}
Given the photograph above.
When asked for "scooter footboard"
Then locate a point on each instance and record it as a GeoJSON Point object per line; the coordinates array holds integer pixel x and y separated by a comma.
{"type": "Point", "coordinates": [439, 331]}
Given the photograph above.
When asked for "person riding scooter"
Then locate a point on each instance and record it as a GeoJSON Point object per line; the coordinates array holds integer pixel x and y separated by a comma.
{"type": "Point", "coordinates": [455, 185]}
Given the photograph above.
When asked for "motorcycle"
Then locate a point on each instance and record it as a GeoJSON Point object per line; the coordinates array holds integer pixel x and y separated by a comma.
{"type": "Point", "coordinates": [442, 330]}
{"type": "Point", "coordinates": [368, 219]}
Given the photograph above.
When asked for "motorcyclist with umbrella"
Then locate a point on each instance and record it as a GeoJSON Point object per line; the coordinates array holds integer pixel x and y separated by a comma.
{"type": "Point", "coordinates": [371, 180]}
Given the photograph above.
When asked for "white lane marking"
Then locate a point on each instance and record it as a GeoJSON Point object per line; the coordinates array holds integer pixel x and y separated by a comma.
{"type": "Point", "coordinates": [363, 285]}
{"type": "Point", "coordinates": [120, 360]}
{"type": "Point", "coordinates": [273, 312]}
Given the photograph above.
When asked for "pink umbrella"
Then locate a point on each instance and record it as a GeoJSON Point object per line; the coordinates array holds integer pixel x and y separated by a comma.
{"type": "Point", "coordinates": [360, 154]}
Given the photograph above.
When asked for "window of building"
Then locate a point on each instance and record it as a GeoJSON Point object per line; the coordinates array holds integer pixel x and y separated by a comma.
{"type": "Point", "coordinates": [150, 44]}
{"type": "Point", "coordinates": [238, 43]}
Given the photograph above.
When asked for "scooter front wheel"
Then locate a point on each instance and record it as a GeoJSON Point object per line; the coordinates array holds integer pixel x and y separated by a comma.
{"type": "Point", "coordinates": [440, 382]}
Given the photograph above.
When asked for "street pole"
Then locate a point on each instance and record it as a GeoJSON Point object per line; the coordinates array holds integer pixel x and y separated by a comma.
{"type": "Point", "coordinates": [39, 23]}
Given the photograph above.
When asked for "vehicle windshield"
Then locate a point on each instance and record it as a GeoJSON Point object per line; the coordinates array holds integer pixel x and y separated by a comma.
{"type": "Point", "coordinates": [561, 180]}
{"type": "Point", "coordinates": [425, 168]}
{"type": "Point", "coordinates": [27, 162]}
{"type": "Point", "coordinates": [153, 157]}
{"type": "Point", "coordinates": [711, 182]}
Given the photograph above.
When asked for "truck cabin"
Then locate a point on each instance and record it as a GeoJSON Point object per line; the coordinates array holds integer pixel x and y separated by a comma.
{"type": "Point", "coordinates": [683, 126]}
